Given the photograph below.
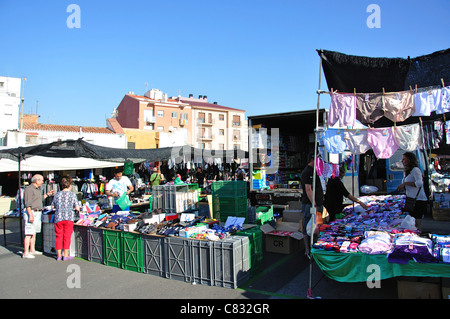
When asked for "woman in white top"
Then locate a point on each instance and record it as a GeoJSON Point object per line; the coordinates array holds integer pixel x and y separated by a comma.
{"type": "Point", "coordinates": [413, 184]}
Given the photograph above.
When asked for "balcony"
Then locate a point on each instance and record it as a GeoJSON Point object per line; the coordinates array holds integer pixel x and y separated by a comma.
{"type": "Point", "coordinates": [206, 137]}
{"type": "Point", "coordinates": [183, 122]}
{"type": "Point", "coordinates": [150, 119]}
{"type": "Point", "coordinates": [205, 122]}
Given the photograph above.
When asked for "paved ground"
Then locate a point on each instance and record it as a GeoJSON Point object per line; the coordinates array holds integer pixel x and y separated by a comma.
{"type": "Point", "coordinates": [282, 277]}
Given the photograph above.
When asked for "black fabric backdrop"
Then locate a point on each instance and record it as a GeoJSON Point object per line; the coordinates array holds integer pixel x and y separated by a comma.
{"type": "Point", "coordinates": [346, 73]}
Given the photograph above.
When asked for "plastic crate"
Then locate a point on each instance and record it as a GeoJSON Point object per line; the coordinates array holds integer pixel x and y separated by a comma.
{"type": "Point", "coordinates": [264, 214]}
{"type": "Point", "coordinates": [95, 248]}
{"type": "Point", "coordinates": [230, 262]}
{"type": "Point", "coordinates": [112, 254]}
{"type": "Point", "coordinates": [230, 189]}
{"type": "Point", "coordinates": [225, 207]}
{"type": "Point", "coordinates": [201, 261]}
{"type": "Point", "coordinates": [81, 241]}
{"type": "Point", "coordinates": [154, 262]}
{"type": "Point", "coordinates": [178, 260]}
{"type": "Point", "coordinates": [48, 238]}
{"type": "Point", "coordinates": [132, 255]}
{"type": "Point", "coordinates": [255, 248]}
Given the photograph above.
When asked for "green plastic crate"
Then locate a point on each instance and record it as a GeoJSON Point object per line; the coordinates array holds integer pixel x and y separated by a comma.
{"type": "Point", "coordinates": [112, 253]}
{"type": "Point", "coordinates": [255, 248]}
{"type": "Point", "coordinates": [132, 251]}
{"type": "Point", "coordinates": [264, 214]}
{"type": "Point", "coordinates": [230, 189]}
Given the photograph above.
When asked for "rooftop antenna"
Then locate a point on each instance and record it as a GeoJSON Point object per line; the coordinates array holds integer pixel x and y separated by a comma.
{"type": "Point", "coordinates": [146, 86]}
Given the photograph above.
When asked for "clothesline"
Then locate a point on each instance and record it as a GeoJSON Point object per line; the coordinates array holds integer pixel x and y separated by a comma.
{"type": "Point", "coordinates": [384, 141]}
{"type": "Point", "coordinates": [367, 108]}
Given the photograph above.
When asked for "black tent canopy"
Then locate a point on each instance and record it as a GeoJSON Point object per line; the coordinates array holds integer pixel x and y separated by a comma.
{"type": "Point", "coordinates": [347, 73]}
{"type": "Point", "coordinates": [80, 148]}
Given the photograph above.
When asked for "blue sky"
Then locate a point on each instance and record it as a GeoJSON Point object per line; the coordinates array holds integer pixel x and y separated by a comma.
{"type": "Point", "coordinates": [256, 55]}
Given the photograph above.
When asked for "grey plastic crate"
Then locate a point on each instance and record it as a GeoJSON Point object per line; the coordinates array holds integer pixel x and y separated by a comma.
{"type": "Point", "coordinates": [154, 255]}
{"type": "Point", "coordinates": [95, 247]}
{"type": "Point", "coordinates": [81, 241]}
{"type": "Point", "coordinates": [201, 261]}
{"type": "Point", "coordinates": [178, 259]}
{"type": "Point", "coordinates": [230, 262]}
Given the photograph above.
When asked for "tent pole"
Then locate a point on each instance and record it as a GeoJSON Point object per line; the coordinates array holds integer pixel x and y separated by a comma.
{"type": "Point", "coordinates": [313, 206]}
{"type": "Point", "coordinates": [19, 204]}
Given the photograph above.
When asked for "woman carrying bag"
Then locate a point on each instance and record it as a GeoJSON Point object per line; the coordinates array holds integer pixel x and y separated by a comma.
{"type": "Point", "coordinates": [416, 201]}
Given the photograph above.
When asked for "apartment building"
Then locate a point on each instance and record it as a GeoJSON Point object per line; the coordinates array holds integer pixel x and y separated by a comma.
{"type": "Point", "coordinates": [10, 101]}
{"type": "Point", "coordinates": [154, 120]}
{"type": "Point", "coordinates": [181, 120]}
{"type": "Point", "coordinates": [216, 126]}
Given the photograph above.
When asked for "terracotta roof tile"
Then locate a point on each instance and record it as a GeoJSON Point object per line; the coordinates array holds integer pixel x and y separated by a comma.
{"type": "Point", "coordinates": [66, 128]}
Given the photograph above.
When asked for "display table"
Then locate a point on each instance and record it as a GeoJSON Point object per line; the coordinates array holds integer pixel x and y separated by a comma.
{"type": "Point", "coordinates": [353, 267]}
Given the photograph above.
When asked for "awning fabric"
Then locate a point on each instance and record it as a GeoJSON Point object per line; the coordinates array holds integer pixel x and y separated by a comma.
{"type": "Point", "coordinates": [347, 73]}
{"type": "Point", "coordinates": [71, 149]}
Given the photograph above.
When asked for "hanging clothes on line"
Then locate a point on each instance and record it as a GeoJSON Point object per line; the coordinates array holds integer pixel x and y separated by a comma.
{"type": "Point", "coordinates": [333, 140]}
{"type": "Point", "coordinates": [342, 110]}
{"type": "Point", "coordinates": [369, 107]}
{"type": "Point", "coordinates": [356, 141]}
{"type": "Point", "coordinates": [382, 142]}
{"type": "Point", "coordinates": [408, 137]}
{"type": "Point", "coordinates": [398, 106]}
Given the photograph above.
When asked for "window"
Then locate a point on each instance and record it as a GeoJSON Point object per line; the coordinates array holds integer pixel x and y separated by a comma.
{"type": "Point", "coordinates": [161, 113]}
{"type": "Point", "coordinates": [160, 128]}
{"type": "Point", "coordinates": [222, 147]}
{"type": "Point", "coordinates": [201, 117]}
{"type": "Point", "coordinates": [174, 115]}
{"type": "Point", "coordinates": [236, 120]}
{"type": "Point", "coordinates": [221, 117]}
{"type": "Point", "coordinates": [184, 116]}
{"type": "Point", "coordinates": [221, 132]}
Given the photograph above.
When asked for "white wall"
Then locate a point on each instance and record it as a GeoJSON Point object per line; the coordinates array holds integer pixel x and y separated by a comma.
{"type": "Point", "coordinates": [9, 103]}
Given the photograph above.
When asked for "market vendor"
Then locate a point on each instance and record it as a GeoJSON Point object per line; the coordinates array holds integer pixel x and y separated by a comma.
{"type": "Point", "coordinates": [335, 193]}
{"type": "Point", "coordinates": [117, 186]}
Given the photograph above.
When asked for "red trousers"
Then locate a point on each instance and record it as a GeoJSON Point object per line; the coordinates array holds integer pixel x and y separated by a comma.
{"type": "Point", "coordinates": [63, 231]}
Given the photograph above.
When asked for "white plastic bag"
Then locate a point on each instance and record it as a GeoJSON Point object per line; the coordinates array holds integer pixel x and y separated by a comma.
{"type": "Point", "coordinates": [409, 223]}
{"type": "Point", "coordinates": [366, 189]}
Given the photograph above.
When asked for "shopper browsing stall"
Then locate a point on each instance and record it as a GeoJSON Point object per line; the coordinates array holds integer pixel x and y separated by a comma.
{"type": "Point", "coordinates": [65, 202]}
{"type": "Point", "coordinates": [335, 193]}
{"type": "Point", "coordinates": [156, 177]}
{"type": "Point", "coordinates": [307, 197]}
{"type": "Point", "coordinates": [117, 186]}
{"type": "Point", "coordinates": [413, 184]}
{"type": "Point", "coordinates": [33, 200]}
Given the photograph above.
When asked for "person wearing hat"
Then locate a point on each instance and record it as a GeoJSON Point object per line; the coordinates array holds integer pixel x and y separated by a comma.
{"type": "Point", "coordinates": [156, 178]}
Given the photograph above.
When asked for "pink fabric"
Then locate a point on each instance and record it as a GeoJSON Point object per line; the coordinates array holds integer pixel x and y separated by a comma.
{"type": "Point", "coordinates": [382, 142]}
{"type": "Point", "coordinates": [319, 166]}
{"type": "Point", "coordinates": [342, 110]}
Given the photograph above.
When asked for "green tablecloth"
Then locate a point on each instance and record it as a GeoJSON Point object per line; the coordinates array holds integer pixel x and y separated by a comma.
{"type": "Point", "coordinates": [353, 267]}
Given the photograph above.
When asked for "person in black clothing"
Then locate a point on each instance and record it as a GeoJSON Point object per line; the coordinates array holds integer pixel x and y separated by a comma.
{"type": "Point", "coordinates": [200, 176]}
{"type": "Point", "coordinates": [335, 194]}
{"type": "Point", "coordinates": [307, 197]}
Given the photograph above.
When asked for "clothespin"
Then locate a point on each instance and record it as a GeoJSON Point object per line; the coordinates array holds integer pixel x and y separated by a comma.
{"type": "Point", "coordinates": [410, 88]}
{"type": "Point", "coordinates": [354, 91]}
{"type": "Point", "coordinates": [384, 92]}
{"type": "Point", "coordinates": [331, 91]}
{"type": "Point", "coordinates": [442, 81]}
{"type": "Point", "coordinates": [416, 88]}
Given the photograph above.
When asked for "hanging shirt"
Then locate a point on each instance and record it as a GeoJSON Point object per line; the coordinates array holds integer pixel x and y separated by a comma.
{"type": "Point", "coordinates": [408, 137]}
{"type": "Point", "coordinates": [369, 107]}
{"type": "Point", "coordinates": [442, 100]}
{"type": "Point", "coordinates": [398, 106]}
{"type": "Point", "coordinates": [424, 103]}
{"type": "Point", "coordinates": [382, 142]}
{"type": "Point", "coordinates": [342, 110]}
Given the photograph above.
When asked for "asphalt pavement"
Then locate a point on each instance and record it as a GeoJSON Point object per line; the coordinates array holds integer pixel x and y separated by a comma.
{"type": "Point", "coordinates": [282, 276]}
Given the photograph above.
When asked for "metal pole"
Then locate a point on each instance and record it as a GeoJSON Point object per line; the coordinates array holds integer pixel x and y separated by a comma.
{"type": "Point", "coordinates": [313, 216]}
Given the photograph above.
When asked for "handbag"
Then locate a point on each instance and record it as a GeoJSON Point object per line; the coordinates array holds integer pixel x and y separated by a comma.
{"type": "Point", "coordinates": [410, 203]}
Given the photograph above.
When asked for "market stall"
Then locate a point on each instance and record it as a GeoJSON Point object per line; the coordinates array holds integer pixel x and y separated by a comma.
{"type": "Point", "coordinates": [402, 104]}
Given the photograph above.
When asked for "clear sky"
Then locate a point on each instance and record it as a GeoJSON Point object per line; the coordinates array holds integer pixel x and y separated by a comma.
{"type": "Point", "coordinates": [256, 55]}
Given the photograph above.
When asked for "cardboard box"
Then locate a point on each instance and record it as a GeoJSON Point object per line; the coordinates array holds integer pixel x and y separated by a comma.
{"type": "Point", "coordinates": [418, 289]}
{"type": "Point", "coordinates": [441, 214]}
{"type": "Point", "coordinates": [287, 237]}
